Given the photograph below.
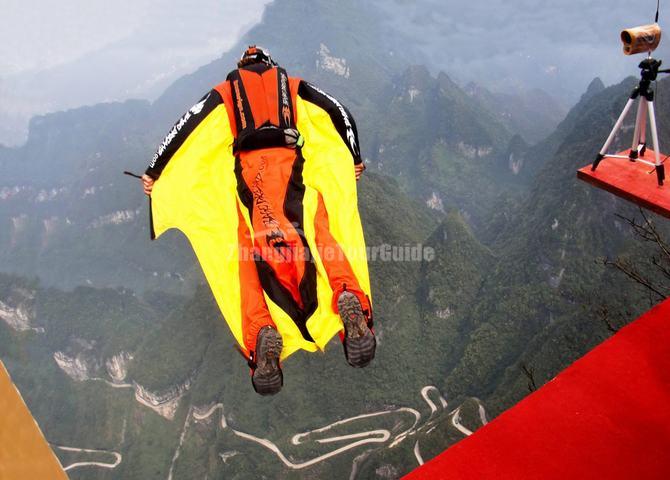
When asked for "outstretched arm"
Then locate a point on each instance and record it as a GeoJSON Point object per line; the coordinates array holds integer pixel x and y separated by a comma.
{"type": "Point", "coordinates": [341, 117]}
{"type": "Point", "coordinates": [177, 135]}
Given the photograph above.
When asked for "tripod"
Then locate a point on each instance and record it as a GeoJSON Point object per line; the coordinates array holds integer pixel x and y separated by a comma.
{"type": "Point", "coordinates": [649, 71]}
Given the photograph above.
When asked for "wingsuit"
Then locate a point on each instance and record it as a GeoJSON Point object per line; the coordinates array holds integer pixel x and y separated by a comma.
{"type": "Point", "coordinates": [259, 175]}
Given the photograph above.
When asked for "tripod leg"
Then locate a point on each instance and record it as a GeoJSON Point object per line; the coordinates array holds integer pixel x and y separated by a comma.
{"type": "Point", "coordinates": [643, 128]}
{"type": "Point", "coordinates": [654, 137]}
{"type": "Point", "coordinates": [610, 139]}
{"type": "Point", "coordinates": [636, 136]}
{"type": "Point", "coordinates": [660, 173]}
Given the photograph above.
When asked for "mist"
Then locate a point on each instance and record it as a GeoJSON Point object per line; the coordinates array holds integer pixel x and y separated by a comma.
{"type": "Point", "coordinates": [517, 44]}
{"type": "Point", "coordinates": [59, 55]}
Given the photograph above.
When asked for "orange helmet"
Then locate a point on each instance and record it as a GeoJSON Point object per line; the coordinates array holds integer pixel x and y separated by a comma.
{"type": "Point", "coordinates": [255, 54]}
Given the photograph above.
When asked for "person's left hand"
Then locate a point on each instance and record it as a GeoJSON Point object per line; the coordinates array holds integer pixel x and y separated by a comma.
{"type": "Point", "coordinates": [147, 184]}
{"type": "Point", "coordinates": [359, 168]}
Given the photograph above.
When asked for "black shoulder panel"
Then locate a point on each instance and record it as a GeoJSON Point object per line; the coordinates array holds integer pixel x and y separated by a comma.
{"type": "Point", "coordinates": [286, 112]}
{"type": "Point", "coordinates": [181, 130]}
{"type": "Point", "coordinates": [341, 117]}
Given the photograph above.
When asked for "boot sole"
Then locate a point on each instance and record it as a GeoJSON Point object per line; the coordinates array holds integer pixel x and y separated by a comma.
{"type": "Point", "coordinates": [268, 378]}
{"type": "Point", "coordinates": [359, 341]}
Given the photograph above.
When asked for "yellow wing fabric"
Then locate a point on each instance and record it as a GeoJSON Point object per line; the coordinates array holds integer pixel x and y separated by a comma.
{"type": "Point", "coordinates": [329, 171]}
{"type": "Point", "coordinates": [196, 193]}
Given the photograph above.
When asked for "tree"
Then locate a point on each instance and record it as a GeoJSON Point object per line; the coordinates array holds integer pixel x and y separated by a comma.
{"type": "Point", "coordinates": [651, 273]}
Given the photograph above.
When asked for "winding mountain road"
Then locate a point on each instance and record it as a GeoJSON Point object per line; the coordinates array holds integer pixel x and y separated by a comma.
{"type": "Point", "coordinates": [482, 413]}
{"type": "Point", "coordinates": [456, 422]}
{"type": "Point", "coordinates": [117, 458]}
{"type": "Point", "coordinates": [356, 439]}
{"type": "Point", "coordinates": [417, 453]}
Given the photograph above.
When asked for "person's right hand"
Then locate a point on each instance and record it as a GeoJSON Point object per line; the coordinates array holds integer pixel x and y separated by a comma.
{"type": "Point", "coordinates": [359, 169]}
{"type": "Point", "coordinates": [147, 183]}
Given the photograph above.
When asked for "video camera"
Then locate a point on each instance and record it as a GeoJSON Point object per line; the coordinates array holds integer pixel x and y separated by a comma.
{"type": "Point", "coordinates": [642, 39]}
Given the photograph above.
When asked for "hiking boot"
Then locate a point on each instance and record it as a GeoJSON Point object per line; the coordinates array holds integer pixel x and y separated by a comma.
{"type": "Point", "coordinates": [359, 341]}
{"type": "Point", "coordinates": [267, 377]}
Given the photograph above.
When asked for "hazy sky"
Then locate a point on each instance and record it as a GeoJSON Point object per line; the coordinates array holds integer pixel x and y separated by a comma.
{"type": "Point", "coordinates": [56, 55]}
{"type": "Point", "coordinates": [38, 34]}
{"type": "Point", "coordinates": [561, 44]}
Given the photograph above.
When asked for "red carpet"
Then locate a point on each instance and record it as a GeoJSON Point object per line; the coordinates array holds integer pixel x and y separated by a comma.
{"type": "Point", "coordinates": [633, 181]}
{"type": "Point", "coordinates": [607, 416]}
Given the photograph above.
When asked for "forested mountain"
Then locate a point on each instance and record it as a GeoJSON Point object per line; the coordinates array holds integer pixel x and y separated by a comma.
{"type": "Point", "coordinates": [70, 217]}
{"type": "Point", "coordinates": [117, 345]}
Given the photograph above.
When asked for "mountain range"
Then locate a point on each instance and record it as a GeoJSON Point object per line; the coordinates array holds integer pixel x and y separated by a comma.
{"type": "Point", "coordinates": [117, 345]}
